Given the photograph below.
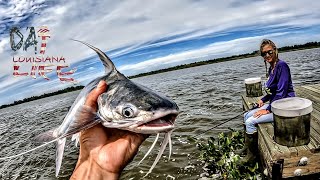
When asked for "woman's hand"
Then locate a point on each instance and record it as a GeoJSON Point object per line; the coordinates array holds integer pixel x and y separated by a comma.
{"type": "Point", "coordinates": [104, 152]}
{"type": "Point", "coordinates": [260, 103]}
{"type": "Point", "coordinates": [260, 113]}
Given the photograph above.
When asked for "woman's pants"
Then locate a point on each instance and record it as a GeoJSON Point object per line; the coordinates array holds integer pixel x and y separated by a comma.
{"type": "Point", "coordinates": [251, 121]}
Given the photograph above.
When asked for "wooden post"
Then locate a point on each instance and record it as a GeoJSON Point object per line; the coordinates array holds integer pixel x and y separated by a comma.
{"type": "Point", "coordinates": [277, 169]}
{"type": "Point", "coordinates": [292, 131]}
{"type": "Point", "coordinates": [253, 87]}
{"type": "Point", "coordinates": [292, 121]}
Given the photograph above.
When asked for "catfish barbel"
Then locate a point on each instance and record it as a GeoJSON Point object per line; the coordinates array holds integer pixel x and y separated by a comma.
{"type": "Point", "coordinates": [125, 105]}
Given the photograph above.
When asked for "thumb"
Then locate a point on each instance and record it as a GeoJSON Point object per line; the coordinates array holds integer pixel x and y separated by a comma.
{"type": "Point", "coordinates": [93, 95]}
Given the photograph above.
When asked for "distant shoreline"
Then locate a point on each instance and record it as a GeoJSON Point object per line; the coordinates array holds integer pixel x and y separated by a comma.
{"type": "Point", "coordinates": [309, 45]}
{"type": "Point", "coordinates": [69, 89]}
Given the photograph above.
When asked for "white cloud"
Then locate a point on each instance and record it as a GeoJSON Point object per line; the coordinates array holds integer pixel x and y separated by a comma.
{"type": "Point", "coordinates": [237, 46]}
{"type": "Point", "coordinates": [108, 25]}
{"type": "Point", "coordinates": [3, 44]}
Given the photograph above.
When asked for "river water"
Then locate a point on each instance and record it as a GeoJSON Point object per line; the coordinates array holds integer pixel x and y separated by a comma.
{"type": "Point", "coordinates": [206, 95]}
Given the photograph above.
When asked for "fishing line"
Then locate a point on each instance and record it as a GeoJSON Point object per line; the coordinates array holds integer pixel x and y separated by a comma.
{"type": "Point", "coordinates": [254, 106]}
{"type": "Point", "coordinates": [45, 144]}
{"type": "Point", "coordinates": [219, 124]}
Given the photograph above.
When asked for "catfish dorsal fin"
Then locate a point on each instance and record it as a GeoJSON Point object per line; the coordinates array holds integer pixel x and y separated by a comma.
{"type": "Point", "coordinates": [108, 64]}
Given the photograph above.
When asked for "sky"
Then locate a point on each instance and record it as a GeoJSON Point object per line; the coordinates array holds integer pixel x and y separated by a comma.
{"type": "Point", "coordinates": [141, 36]}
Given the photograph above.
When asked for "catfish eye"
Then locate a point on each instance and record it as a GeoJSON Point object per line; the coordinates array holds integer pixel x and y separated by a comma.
{"type": "Point", "coordinates": [128, 112]}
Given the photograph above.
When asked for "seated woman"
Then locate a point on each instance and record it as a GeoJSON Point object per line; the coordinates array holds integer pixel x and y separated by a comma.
{"type": "Point", "coordinates": [278, 86]}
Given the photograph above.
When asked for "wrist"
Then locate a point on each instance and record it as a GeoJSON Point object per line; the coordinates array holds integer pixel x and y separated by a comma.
{"type": "Point", "coordinates": [90, 169]}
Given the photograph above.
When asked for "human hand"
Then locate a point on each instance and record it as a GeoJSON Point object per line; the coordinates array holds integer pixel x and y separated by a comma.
{"type": "Point", "coordinates": [260, 103]}
{"type": "Point", "coordinates": [104, 152]}
{"type": "Point", "coordinates": [260, 113]}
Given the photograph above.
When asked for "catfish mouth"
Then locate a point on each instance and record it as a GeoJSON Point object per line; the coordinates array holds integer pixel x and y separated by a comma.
{"type": "Point", "coordinates": [161, 122]}
{"type": "Point", "coordinates": [167, 120]}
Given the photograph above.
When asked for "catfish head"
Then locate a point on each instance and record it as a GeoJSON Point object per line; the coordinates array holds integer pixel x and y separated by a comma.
{"type": "Point", "coordinates": [130, 106]}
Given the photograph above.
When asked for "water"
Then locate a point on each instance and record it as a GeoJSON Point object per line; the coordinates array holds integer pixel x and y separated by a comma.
{"type": "Point", "coordinates": [206, 95]}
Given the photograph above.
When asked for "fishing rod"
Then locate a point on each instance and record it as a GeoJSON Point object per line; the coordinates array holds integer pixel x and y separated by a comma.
{"type": "Point", "coordinates": [254, 106]}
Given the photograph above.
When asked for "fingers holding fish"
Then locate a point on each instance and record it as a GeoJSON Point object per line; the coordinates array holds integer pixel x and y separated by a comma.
{"type": "Point", "coordinates": [93, 95]}
{"type": "Point", "coordinates": [112, 149]}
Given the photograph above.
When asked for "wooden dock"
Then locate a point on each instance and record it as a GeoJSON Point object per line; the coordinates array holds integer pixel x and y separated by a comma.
{"type": "Point", "coordinates": [282, 161]}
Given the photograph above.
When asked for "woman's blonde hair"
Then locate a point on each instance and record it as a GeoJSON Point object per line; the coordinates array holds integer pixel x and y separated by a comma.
{"type": "Point", "coordinates": [266, 42]}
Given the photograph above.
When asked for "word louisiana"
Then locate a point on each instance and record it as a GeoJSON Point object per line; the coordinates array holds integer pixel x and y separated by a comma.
{"type": "Point", "coordinates": [42, 66]}
{"type": "Point", "coordinates": [38, 59]}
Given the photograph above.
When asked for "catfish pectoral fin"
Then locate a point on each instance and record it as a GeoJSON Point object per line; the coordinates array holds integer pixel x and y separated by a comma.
{"type": "Point", "coordinates": [46, 136]}
{"type": "Point", "coordinates": [59, 154]}
{"type": "Point", "coordinates": [85, 118]}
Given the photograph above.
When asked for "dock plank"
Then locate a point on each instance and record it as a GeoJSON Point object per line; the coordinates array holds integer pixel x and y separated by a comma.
{"type": "Point", "coordinates": [311, 168]}
{"type": "Point", "coordinates": [313, 145]}
{"type": "Point", "coordinates": [265, 154]}
{"type": "Point", "coordinates": [293, 151]}
{"type": "Point", "coordinates": [249, 101]}
{"type": "Point", "coordinates": [315, 86]}
{"type": "Point", "coordinates": [315, 133]}
{"type": "Point", "coordinates": [307, 93]}
{"type": "Point", "coordinates": [314, 89]}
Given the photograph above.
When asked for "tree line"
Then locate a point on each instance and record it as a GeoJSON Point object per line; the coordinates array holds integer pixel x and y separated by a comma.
{"type": "Point", "coordinates": [32, 98]}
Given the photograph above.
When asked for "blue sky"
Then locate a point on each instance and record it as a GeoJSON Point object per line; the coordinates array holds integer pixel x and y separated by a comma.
{"type": "Point", "coordinates": [141, 36]}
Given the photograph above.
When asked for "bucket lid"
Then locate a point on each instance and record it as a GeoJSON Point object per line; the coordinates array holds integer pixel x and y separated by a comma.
{"type": "Point", "coordinates": [252, 80]}
{"type": "Point", "coordinates": [291, 107]}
